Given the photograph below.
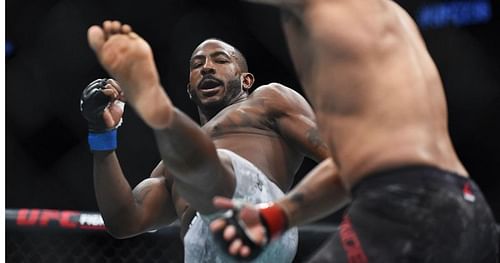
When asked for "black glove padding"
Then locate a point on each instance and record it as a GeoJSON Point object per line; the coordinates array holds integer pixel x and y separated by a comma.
{"type": "Point", "coordinates": [231, 218]}
{"type": "Point", "coordinates": [92, 105]}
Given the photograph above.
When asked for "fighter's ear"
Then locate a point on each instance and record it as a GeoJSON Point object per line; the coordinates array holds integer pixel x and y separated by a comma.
{"type": "Point", "coordinates": [189, 91]}
{"type": "Point", "coordinates": [247, 80]}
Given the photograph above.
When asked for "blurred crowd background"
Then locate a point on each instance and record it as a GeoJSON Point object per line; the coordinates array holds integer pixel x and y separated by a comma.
{"type": "Point", "coordinates": [48, 63]}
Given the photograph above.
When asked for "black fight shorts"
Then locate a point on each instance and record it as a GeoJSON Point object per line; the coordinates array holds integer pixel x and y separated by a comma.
{"type": "Point", "coordinates": [414, 214]}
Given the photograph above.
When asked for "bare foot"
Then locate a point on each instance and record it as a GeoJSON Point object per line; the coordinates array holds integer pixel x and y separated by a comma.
{"type": "Point", "coordinates": [129, 59]}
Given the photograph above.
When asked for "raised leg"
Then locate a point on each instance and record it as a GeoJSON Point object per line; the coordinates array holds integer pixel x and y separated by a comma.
{"type": "Point", "coordinates": [129, 59]}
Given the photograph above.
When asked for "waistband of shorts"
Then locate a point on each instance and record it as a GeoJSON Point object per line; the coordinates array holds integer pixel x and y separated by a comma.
{"type": "Point", "coordinates": [410, 175]}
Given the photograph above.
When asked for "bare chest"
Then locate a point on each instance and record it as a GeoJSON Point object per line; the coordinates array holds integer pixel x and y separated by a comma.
{"type": "Point", "coordinates": [241, 119]}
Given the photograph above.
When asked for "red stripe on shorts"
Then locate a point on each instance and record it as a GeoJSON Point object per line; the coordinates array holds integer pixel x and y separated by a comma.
{"type": "Point", "coordinates": [350, 242]}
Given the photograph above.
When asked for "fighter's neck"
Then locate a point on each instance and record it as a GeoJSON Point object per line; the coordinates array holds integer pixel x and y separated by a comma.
{"type": "Point", "coordinates": [208, 114]}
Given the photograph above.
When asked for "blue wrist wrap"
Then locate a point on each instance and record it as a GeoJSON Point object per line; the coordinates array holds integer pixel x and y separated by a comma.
{"type": "Point", "coordinates": [103, 141]}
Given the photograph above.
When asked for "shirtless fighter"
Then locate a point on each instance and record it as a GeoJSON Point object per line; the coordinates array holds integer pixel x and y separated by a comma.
{"type": "Point", "coordinates": [381, 109]}
{"type": "Point", "coordinates": [249, 146]}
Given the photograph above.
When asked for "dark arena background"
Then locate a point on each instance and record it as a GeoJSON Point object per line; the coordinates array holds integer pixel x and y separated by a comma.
{"type": "Point", "coordinates": [48, 63]}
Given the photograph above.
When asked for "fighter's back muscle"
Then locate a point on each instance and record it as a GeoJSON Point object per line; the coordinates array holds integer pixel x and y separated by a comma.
{"type": "Point", "coordinates": [369, 68]}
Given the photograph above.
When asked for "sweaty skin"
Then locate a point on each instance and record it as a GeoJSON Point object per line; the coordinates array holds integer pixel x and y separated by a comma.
{"type": "Point", "coordinates": [385, 104]}
{"type": "Point", "coordinates": [377, 94]}
{"type": "Point", "coordinates": [273, 127]}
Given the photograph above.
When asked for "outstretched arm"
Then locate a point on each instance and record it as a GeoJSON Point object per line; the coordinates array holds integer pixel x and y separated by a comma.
{"type": "Point", "coordinates": [317, 195]}
{"type": "Point", "coordinates": [185, 149]}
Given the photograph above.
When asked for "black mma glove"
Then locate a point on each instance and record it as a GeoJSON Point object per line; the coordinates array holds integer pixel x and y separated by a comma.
{"type": "Point", "coordinates": [92, 105]}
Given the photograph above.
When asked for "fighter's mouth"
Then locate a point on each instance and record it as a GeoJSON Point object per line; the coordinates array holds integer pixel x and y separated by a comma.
{"type": "Point", "coordinates": [209, 83]}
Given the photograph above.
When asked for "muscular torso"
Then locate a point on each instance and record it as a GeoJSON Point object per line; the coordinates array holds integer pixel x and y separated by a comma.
{"type": "Point", "coordinates": [247, 129]}
{"type": "Point", "coordinates": [251, 128]}
{"type": "Point", "coordinates": [378, 96]}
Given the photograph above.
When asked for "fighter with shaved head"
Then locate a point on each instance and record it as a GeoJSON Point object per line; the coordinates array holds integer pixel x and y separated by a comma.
{"type": "Point", "coordinates": [249, 145]}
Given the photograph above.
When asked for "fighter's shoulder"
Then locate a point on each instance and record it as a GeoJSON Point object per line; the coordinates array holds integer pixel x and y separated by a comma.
{"type": "Point", "coordinates": [277, 91]}
{"type": "Point", "coordinates": [282, 98]}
